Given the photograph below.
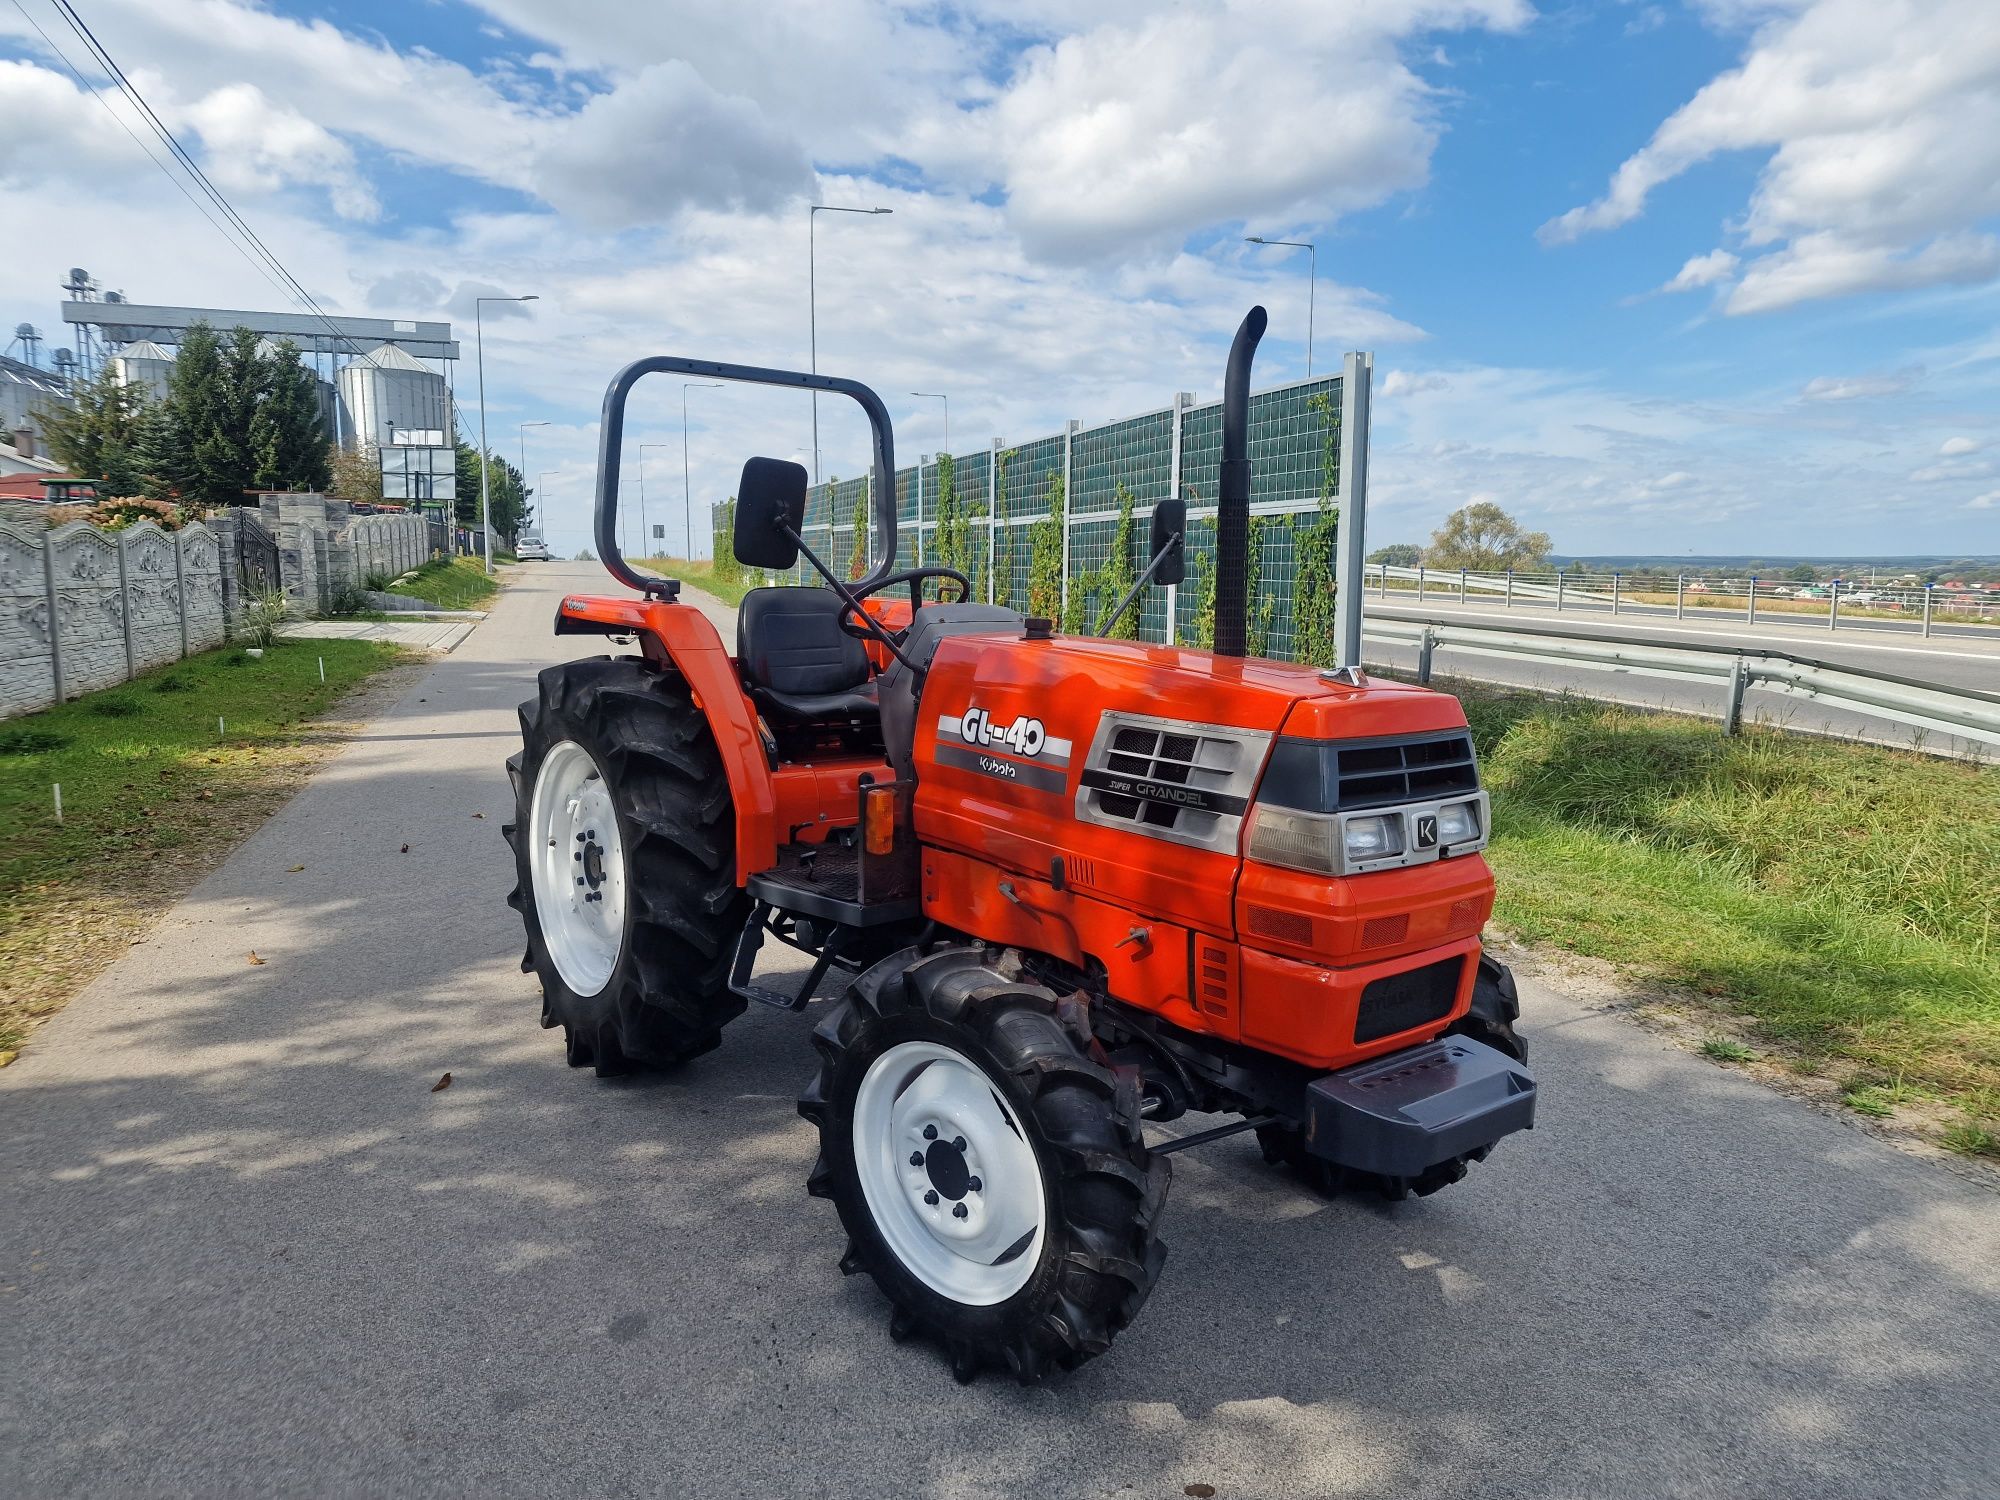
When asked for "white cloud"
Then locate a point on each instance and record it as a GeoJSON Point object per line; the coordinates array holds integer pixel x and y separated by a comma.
{"type": "Point", "coordinates": [1882, 119]}
{"type": "Point", "coordinates": [1855, 387]}
{"type": "Point", "coordinates": [1703, 270]}
{"type": "Point", "coordinates": [1958, 446]}
{"type": "Point", "coordinates": [1404, 383]}
{"type": "Point", "coordinates": [1124, 135]}
{"type": "Point", "coordinates": [255, 145]}
{"type": "Point", "coordinates": [1988, 501]}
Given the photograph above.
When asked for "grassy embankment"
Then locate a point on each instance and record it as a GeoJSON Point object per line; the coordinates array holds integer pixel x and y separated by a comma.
{"type": "Point", "coordinates": [1843, 900]}
{"type": "Point", "coordinates": [152, 797]}
{"type": "Point", "coordinates": [454, 583]}
{"type": "Point", "coordinates": [701, 575]}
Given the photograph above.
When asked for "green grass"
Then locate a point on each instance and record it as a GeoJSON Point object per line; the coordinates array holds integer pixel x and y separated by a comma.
{"type": "Point", "coordinates": [701, 575]}
{"type": "Point", "coordinates": [1726, 1049]}
{"type": "Point", "coordinates": [152, 795]}
{"type": "Point", "coordinates": [1845, 899]}
{"type": "Point", "coordinates": [454, 583]}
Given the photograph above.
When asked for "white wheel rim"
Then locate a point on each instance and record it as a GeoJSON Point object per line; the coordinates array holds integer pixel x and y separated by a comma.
{"type": "Point", "coordinates": [928, 1123]}
{"type": "Point", "coordinates": [578, 863]}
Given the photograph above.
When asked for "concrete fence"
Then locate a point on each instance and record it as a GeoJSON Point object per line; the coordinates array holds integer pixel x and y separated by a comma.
{"type": "Point", "coordinates": [82, 609]}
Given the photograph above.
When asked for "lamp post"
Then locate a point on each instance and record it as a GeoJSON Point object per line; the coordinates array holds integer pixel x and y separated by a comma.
{"type": "Point", "coordinates": [812, 299]}
{"type": "Point", "coordinates": [940, 396]}
{"type": "Point", "coordinates": [642, 476]}
{"type": "Point", "coordinates": [1312, 285]}
{"type": "Point", "coordinates": [687, 490]}
{"type": "Point", "coordinates": [524, 455]}
{"type": "Point", "coordinates": [485, 480]}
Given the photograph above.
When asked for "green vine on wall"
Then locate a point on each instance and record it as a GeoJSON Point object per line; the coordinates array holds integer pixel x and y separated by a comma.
{"type": "Point", "coordinates": [1046, 593]}
{"type": "Point", "coordinates": [1314, 633]}
{"type": "Point", "coordinates": [857, 560]}
{"type": "Point", "coordinates": [1003, 560]}
{"type": "Point", "coordinates": [727, 569]}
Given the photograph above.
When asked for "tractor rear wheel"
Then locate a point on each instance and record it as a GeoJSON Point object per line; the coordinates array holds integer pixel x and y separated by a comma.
{"type": "Point", "coordinates": [624, 858]}
{"type": "Point", "coordinates": [991, 1176]}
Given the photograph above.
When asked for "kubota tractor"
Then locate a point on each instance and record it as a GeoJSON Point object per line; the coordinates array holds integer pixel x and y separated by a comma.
{"type": "Point", "coordinates": [1078, 887]}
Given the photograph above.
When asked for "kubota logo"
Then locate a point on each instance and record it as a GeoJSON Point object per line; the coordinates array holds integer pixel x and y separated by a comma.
{"type": "Point", "coordinates": [1427, 831]}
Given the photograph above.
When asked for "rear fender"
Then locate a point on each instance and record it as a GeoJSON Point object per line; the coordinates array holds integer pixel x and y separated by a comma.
{"type": "Point", "coordinates": [680, 637]}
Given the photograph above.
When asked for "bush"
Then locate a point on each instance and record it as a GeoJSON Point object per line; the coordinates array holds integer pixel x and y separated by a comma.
{"type": "Point", "coordinates": [378, 582]}
{"type": "Point", "coordinates": [113, 706]}
{"type": "Point", "coordinates": [349, 599]}
{"type": "Point", "coordinates": [258, 621]}
{"type": "Point", "coordinates": [172, 684]}
{"type": "Point", "coordinates": [30, 741]}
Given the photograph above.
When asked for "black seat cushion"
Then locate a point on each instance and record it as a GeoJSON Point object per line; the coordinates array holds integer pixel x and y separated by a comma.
{"type": "Point", "coordinates": [800, 665]}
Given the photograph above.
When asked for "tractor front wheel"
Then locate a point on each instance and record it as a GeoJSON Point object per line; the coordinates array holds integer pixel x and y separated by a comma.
{"type": "Point", "coordinates": [990, 1175]}
{"type": "Point", "coordinates": [624, 855]}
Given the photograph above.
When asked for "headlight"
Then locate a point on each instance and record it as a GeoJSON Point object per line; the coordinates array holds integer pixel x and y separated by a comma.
{"type": "Point", "coordinates": [1458, 823]}
{"type": "Point", "coordinates": [1373, 838]}
{"type": "Point", "coordinates": [1296, 840]}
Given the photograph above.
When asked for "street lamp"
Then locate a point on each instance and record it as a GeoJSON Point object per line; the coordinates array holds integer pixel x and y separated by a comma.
{"type": "Point", "coordinates": [1312, 285]}
{"type": "Point", "coordinates": [940, 396]}
{"type": "Point", "coordinates": [485, 457]}
{"type": "Point", "coordinates": [812, 300]}
{"type": "Point", "coordinates": [687, 490]}
{"type": "Point", "coordinates": [642, 486]}
{"type": "Point", "coordinates": [524, 453]}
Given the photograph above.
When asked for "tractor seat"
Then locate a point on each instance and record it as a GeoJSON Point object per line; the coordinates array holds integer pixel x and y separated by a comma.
{"type": "Point", "coordinates": [801, 667]}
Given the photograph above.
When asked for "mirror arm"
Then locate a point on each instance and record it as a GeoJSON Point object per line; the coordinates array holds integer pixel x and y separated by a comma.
{"type": "Point", "coordinates": [853, 599]}
{"type": "Point", "coordinates": [1173, 545]}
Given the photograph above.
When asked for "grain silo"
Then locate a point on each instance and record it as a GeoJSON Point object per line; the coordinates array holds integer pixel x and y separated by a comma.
{"type": "Point", "coordinates": [385, 392]}
{"type": "Point", "coordinates": [146, 365]}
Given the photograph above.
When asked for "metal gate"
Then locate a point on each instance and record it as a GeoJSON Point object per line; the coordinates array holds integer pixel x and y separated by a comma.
{"type": "Point", "coordinates": [256, 555]}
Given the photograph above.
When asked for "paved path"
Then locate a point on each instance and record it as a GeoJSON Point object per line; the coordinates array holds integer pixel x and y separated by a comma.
{"type": "Point", "coordinates": [245, 1250]}
{"type": "Point", "coordinates": [428, 633]}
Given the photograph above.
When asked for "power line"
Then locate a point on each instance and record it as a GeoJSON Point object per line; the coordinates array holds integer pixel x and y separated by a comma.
{"type": "Point", "coordinates": [179, 186]}
{"type": "Point", "coordinates": [193, 169]}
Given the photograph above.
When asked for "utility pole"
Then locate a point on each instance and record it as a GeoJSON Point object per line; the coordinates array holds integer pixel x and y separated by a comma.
{"type": "Point", "coordinates": [812, 300]}
{"type": "Point", "coordinates": [485, 458]}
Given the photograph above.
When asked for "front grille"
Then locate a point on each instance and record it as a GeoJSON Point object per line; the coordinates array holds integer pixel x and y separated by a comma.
{"type": "Point", "coordinates": [1185, 782]}
{"type": "Point", "coordinates": [1397, 1002]}
{"type": "Point", "coordinates": [1411, 771]}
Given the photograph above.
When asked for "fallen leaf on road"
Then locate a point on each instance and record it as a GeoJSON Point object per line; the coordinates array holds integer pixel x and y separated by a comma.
{"type": "Point", "coordinates": [406, 848]}
{"type": "Point", "coordinates": [205, 795]}
{"type": "Point", "coordinates": [254, 958]}
{"type": "Point", "coordinates": [479, 815]}
{"type": "Point", "coordinates": [1199, 1491]}
{"type": "Point", "coordinates": [442, 1083]}
{"type": "Point", "coordinates": [295, 869]}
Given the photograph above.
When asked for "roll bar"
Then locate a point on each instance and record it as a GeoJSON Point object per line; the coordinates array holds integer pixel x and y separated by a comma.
{"type": "Point", "coordinates": [611, 436]}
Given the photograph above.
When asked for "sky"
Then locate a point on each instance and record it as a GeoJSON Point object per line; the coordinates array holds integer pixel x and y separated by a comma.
{"type": "Point", "coordinates": [1720, 277]}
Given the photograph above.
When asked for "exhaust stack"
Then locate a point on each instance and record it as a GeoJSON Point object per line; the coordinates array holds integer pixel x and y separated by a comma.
{"type": "Point", "coordinates": [1232, 495]}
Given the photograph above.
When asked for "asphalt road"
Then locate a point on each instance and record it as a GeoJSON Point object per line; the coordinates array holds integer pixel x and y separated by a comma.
{"type": "Point", "coordinates": [246, 1250]}
{"type": "Point", "coordinates": [1957, 661]}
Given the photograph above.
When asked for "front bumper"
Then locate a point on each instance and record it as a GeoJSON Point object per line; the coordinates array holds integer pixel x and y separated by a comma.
{"type": "Point", "coordinates": [1401, 1114]}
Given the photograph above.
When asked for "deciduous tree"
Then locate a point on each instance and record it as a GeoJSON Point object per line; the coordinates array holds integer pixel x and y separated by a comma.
{"type": "Point", "coordinates": [1482, 537]}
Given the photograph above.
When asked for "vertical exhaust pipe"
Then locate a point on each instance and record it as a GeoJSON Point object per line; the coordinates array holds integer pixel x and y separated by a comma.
{"type": "Point", "coordinates": [1232, 493]}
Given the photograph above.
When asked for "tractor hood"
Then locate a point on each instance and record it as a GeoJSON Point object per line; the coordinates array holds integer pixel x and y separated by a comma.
{"type": "Point", "coordinates": [1133, 764]}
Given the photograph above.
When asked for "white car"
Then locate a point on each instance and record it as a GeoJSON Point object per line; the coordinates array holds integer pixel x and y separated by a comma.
{"type": "Point", "coordinates": [533, 549]}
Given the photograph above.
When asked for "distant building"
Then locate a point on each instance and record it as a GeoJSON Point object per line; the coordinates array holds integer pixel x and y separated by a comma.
{"type": "Point", "coordinates": [24, 390]}
{"type": "Point", "coordinates": [385, 391]}
{"type": "Point", "coordinates": [145, 365]}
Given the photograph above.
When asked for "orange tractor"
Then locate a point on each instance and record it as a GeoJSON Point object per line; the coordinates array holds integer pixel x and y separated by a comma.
{"type": "Point", "coordinates": [1076, 887]}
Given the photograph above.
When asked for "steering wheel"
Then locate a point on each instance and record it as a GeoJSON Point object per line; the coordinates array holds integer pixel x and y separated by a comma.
{"type": "Point", "coordinates": [852, 626]}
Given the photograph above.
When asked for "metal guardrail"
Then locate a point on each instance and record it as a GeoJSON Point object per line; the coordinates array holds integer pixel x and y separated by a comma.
{"type": "Point", "coordinates": [1700, 596]}
{"type": "Point", "coordinates": [1965, 713]}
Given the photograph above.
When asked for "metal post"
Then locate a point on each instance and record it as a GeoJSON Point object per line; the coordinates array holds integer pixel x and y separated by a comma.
{"type": "Point", "coordinates": [1561, 576]}
{"type": "Point", "coordinates": [993, 521]}
{"type": "Point", "coordinates": [1351, 540]}
{"type": "Point", "coordinates": [1182, 400]}
{"type": "Point", "coordinates": [1927, 609]}
{"type": "Point", "coordinates": [55, 614]}
{"type": "Point", "coordinates": [1385, 580]}
{"type": "Point", "coordinates": [1614, 591]}
{"type": "Point", "coordinates": [180, 586]}
{"type": "Point", "coordinates": [1510, 590]}
{"type": "Point", "coordinates": [125, 611]}
{"type": "Point", "coordinates": [1750, 603]}
{"type": "Point", "coordinates": [1461, 585]}
{"type": "Point", "coordinates": [1833, 606]}
{"type": "Point", "coordinates": [1680, 593]}
{"type": "Point", "coordinates": [1420, 583]}
{"type": "Point", "coordinates": [1070, 429]}
{"type": "Point", "coordinates": [812, 301]}
{"type": "Point", "coordinates": [919, 482]}
{"type": "Point", "coordinates": [1424, 649]}
{"type": "Point", "coordinates": [1732, 712]}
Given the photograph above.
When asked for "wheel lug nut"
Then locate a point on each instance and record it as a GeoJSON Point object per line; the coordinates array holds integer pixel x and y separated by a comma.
{"type": "Point", "coordinates": [930, 1132]}
{"type": "Point", "coordinates": [959, 1211]}
{"type": "Point", "coordinates": [930, 1197]}
{"type": "Point", "coordinates": [958, 1143]}
{"type": "Point", "coordinates": [579, 880]}
{"type": "Point", "coordinates": [974, 1184]}
{"type": "Point", "coordinates": [916, 1158]}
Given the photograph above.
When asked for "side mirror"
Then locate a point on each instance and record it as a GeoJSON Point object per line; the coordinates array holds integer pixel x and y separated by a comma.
{"type": "Point", "coordinates": [1169, 519]}
{"type": "Point", "coordinates": [772, 494]}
